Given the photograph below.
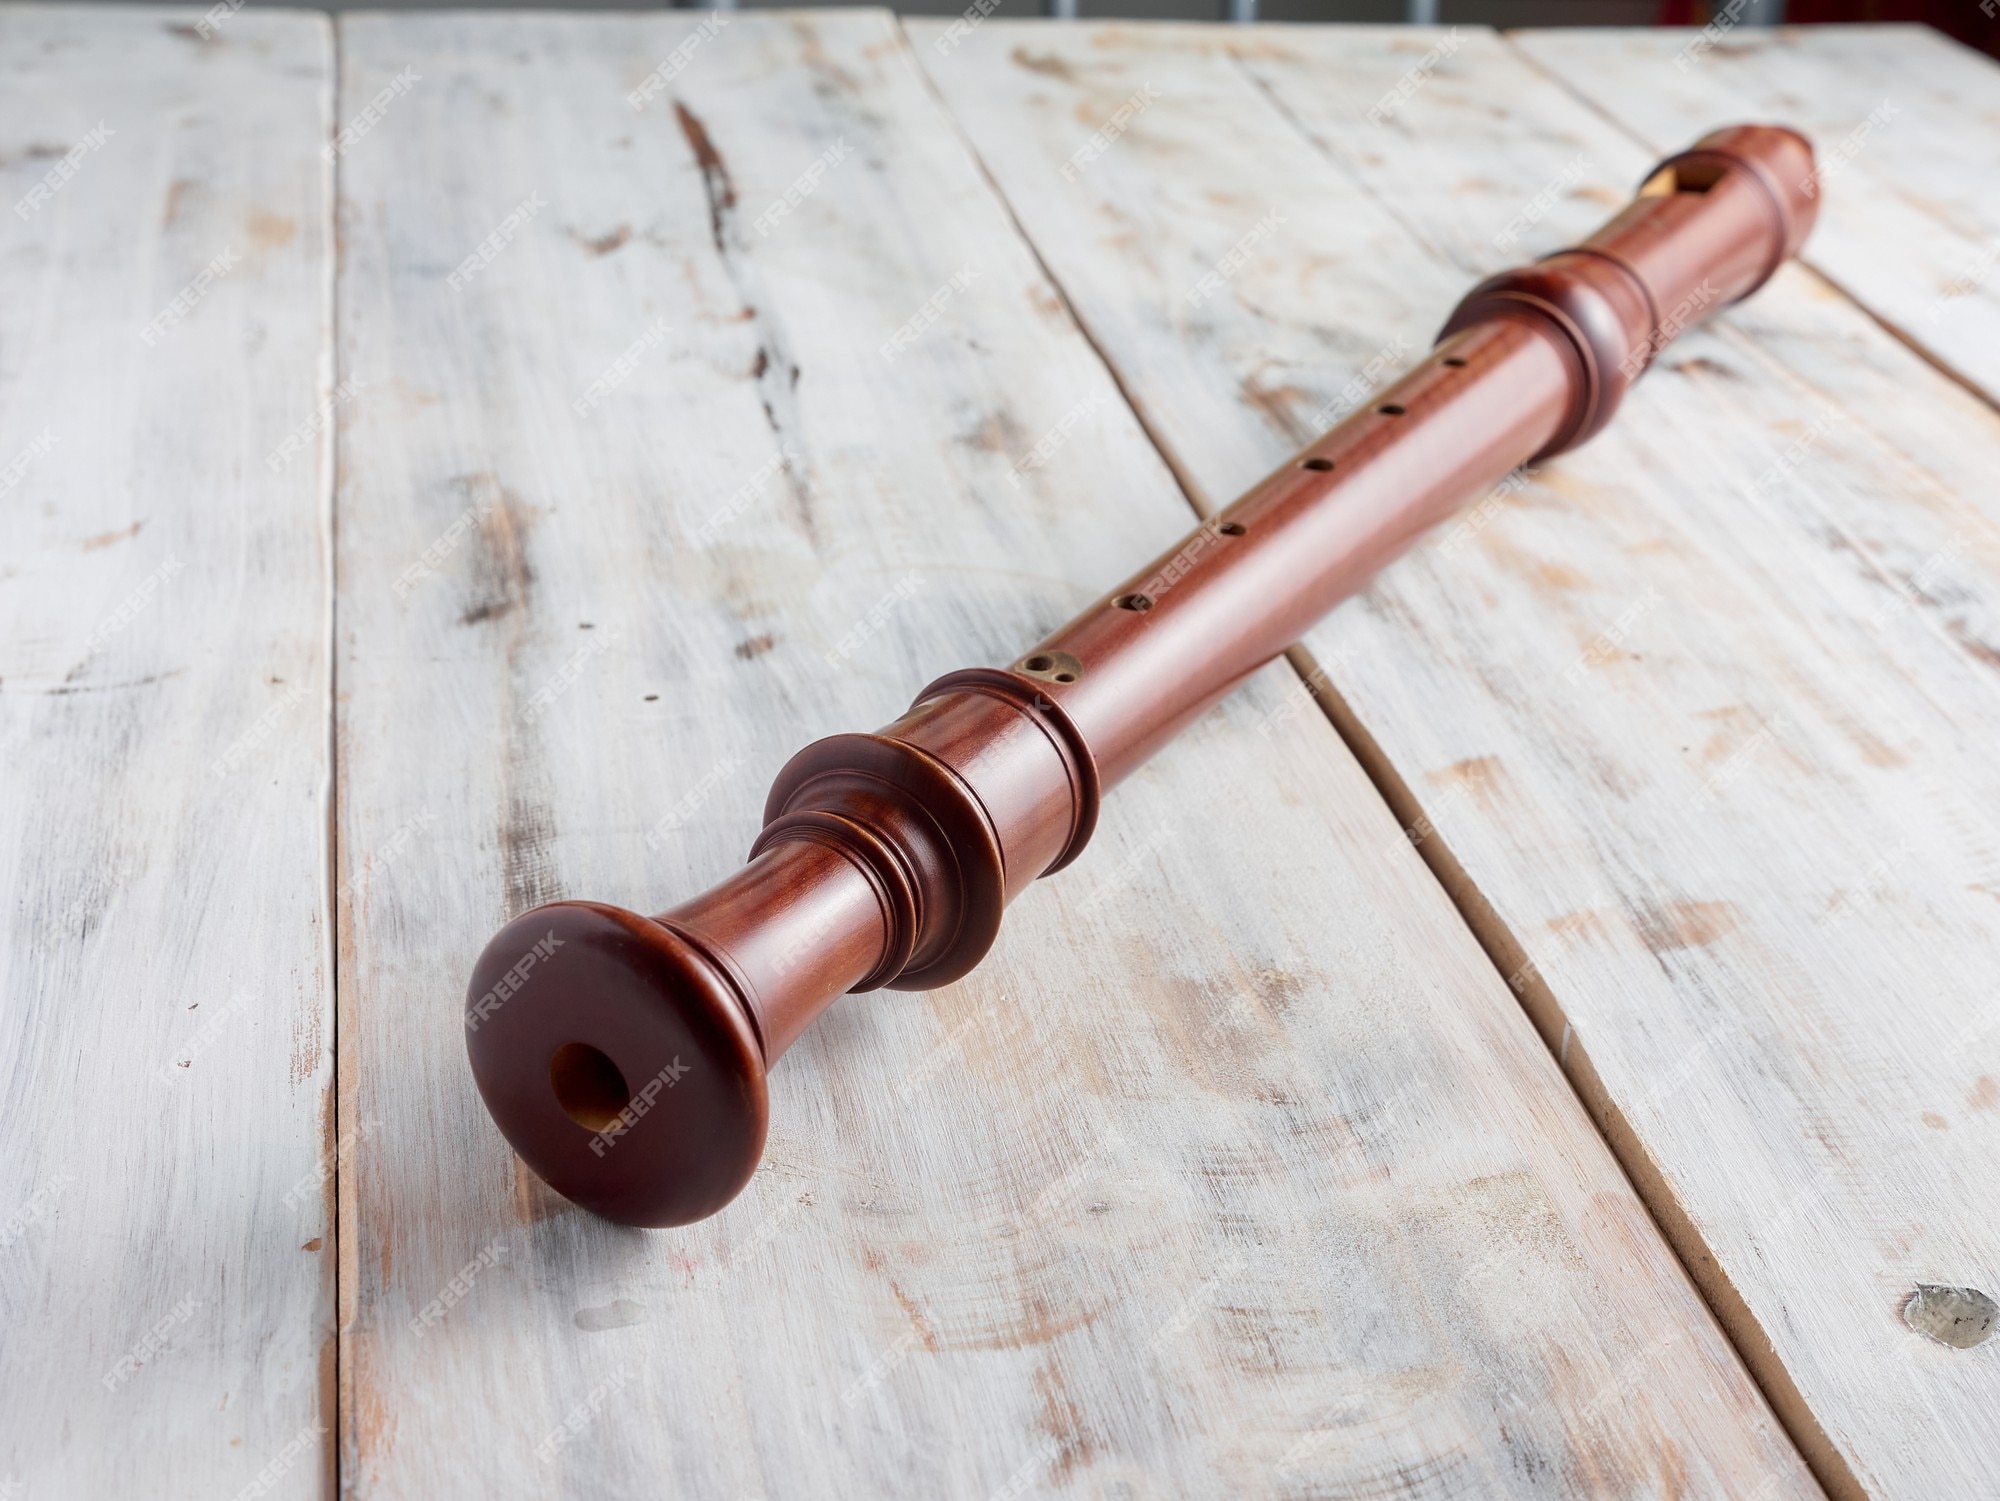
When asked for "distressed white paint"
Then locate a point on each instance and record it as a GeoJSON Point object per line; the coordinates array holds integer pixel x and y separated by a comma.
{"type": "Point", "coordinates": [1235, 1170]}
{"type": "Point", "coordinates": [1703, 713]}
{"type": "Point", "coordinates": [166, 1270]}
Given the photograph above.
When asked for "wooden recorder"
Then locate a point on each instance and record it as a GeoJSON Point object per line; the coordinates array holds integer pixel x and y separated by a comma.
{"type": "Point", "coordinates": [625, 1057]}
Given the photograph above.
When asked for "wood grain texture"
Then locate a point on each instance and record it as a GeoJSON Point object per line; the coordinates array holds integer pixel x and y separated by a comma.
{"type": "Point", "coordinates": [1905, 121]}
{"type": "Point", "coordinates": [1235, 1169]}
{"type": "Point", "coordinates": [1695, 718]}
{"type": "Point", "coordinates": [166, 1273]}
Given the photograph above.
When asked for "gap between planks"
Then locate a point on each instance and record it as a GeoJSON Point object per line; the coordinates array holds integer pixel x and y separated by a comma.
{"type": "Point", "coordinates": [1545, 1010]}
{"type": "Point", "coordinates": [1183, 481]}
{"type": "Point", "coordinates": [345, 1281]}
{"type": "Point", "coordinates": [1508, 956]}
{"type": "Point", "coordinates": [1546, 1014]}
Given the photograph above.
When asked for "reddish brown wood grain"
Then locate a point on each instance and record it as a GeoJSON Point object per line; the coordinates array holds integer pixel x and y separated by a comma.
{"type": "Point", "coordinates": [888, 859]}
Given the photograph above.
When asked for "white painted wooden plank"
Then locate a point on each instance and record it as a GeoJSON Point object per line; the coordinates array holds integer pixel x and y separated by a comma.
{"type": "Point", "coordinates": [1698, 715]}
{"type": "Point", "coordinates": [1234, 1170]}
{"type": "Point", "coordinates": [1907, 123]}
{"type": "Point", "coordinates": [166, 1275]}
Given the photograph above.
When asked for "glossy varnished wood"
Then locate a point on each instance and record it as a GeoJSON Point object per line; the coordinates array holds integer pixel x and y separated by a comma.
{"type": "Point", "coordinates": [1911, 228]}
{"type": "Point", "coordinates": [1236, 1167]}
{"type": "Point", "coordinates": [888, 859]}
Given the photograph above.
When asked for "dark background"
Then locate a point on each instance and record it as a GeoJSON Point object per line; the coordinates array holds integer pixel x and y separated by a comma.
{"type": "Point", "coordinates": [1975, 22]}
